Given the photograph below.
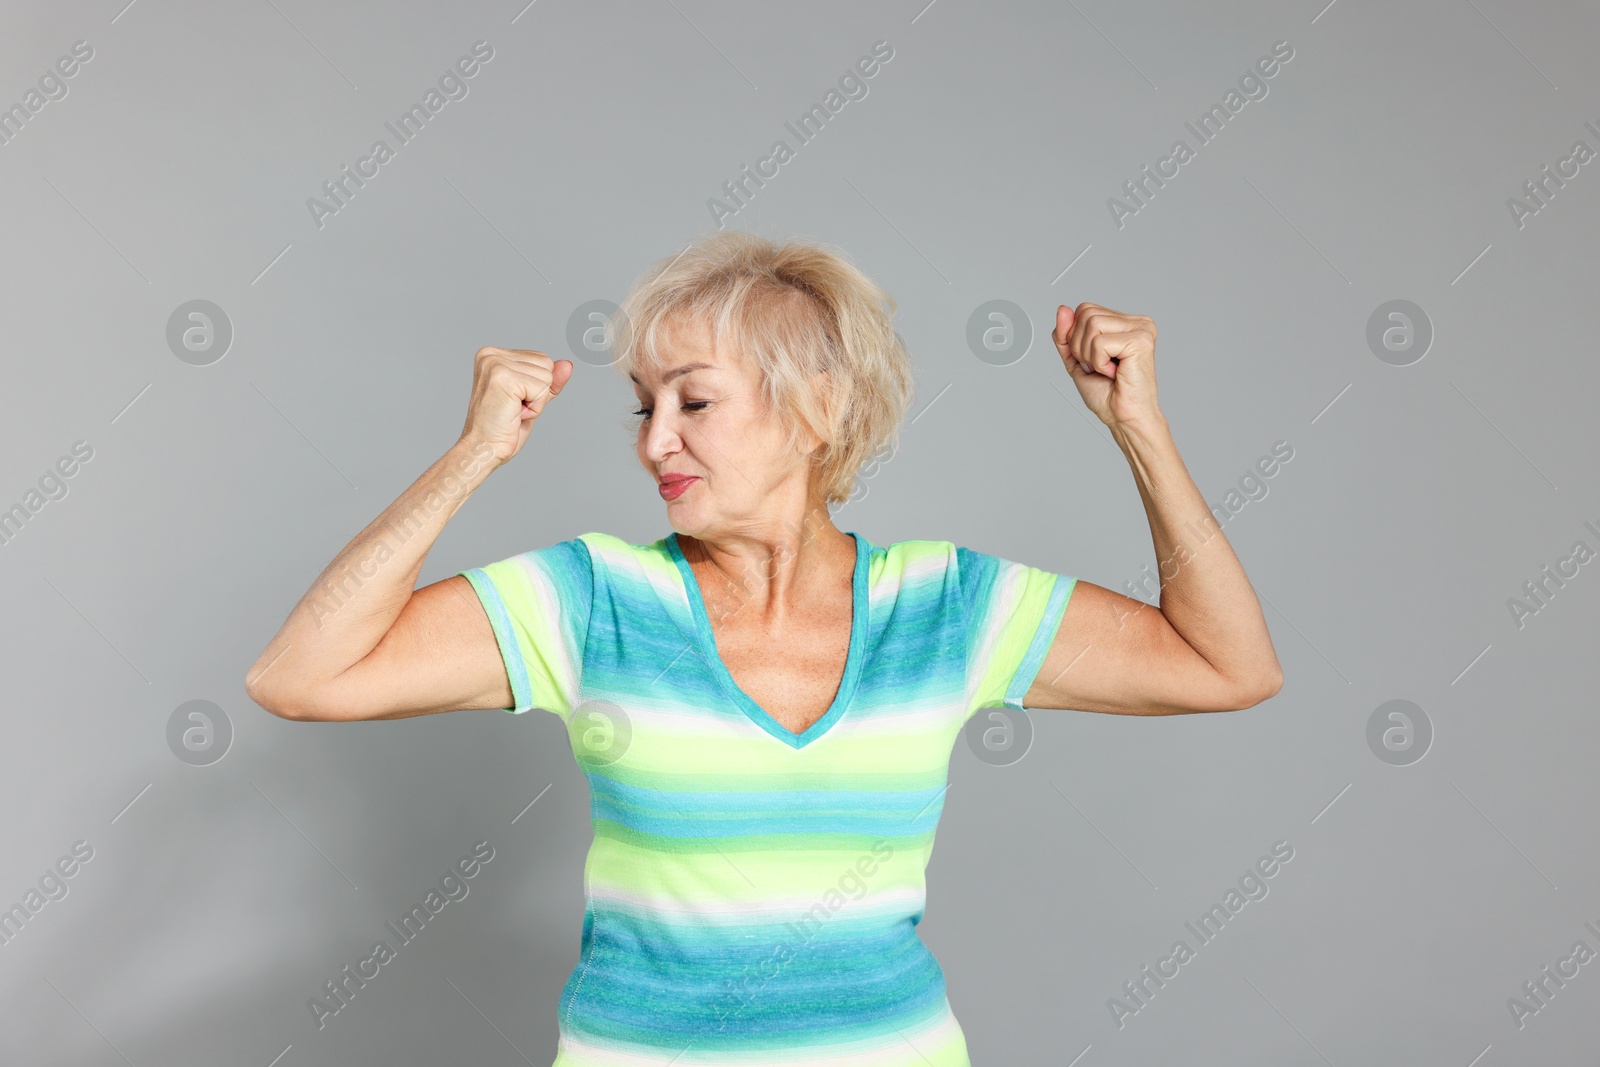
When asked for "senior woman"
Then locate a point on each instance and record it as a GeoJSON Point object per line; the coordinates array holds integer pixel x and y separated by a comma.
{"type": "Point", "coordinates": [764, 706]}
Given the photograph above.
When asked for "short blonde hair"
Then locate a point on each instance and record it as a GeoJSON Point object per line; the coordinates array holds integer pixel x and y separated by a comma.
{"type": "Point", "coordinates": [796, 310]}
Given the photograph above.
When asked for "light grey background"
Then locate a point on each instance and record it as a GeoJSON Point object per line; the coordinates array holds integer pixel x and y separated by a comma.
{"type": "Point", "coordinates": [1419, 498]}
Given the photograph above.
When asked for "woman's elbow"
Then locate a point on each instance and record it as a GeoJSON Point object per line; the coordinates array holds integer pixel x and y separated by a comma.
{"type": "Point", "coordinates": [284, 703]}
{"type": "Point", "coordinates": [1231, 694]}
{"type": "Point", "coordinates": [1264, 688]}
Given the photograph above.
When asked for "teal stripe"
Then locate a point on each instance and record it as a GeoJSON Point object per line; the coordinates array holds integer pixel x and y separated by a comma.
{"type": "Point", "coordinates": [506, 638]}
{"type": "Point", "coordinates": [1054, 609]}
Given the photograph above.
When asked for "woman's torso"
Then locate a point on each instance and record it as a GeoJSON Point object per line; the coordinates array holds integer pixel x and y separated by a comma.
{"type": "Point", "coordinates": [753, 890]}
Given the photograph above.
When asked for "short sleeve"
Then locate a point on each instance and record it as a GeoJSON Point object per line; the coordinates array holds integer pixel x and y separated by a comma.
{"type": "Point", "coordinates": [538, 603]}
{"type": "Point", "coordinates": [1012, 613]}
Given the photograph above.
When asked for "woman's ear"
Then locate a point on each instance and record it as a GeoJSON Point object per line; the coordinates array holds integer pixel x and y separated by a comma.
{"type": "Point", "coordinates": [820, 388]}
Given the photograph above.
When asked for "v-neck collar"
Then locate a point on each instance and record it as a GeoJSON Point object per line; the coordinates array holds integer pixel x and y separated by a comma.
{"type": "Point", "coordinates": [852, 666]}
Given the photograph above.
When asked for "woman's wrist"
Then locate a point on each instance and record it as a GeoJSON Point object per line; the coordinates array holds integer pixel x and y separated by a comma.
{"type": "Point", "coordinates": [1150, 431]}
{"type": "Point", "coordinates": [473, 460]}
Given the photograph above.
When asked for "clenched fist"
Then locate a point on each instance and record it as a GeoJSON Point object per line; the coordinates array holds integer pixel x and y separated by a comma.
{"type": "Point", "coordinates": [510, 387]}
{"type": "Point", "coordinates": [1111, 357]}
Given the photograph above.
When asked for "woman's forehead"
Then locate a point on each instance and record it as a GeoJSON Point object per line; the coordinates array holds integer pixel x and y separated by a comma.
{"type": "Point", "coordinates": [685, 349]}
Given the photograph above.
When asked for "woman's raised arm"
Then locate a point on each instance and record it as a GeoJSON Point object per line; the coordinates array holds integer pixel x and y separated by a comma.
{"type": "Point", "coordinates": [1206, 648]}
{"type": "Point", "coordinates": [364, 642]}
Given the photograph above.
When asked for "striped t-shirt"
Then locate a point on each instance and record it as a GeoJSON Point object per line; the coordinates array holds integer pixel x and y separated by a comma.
{"type": "Point", "coordinates": [752, 895]}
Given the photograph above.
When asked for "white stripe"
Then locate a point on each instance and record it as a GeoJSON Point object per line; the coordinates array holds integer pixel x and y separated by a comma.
{"type": "Point", "coordinates": [893, 902]}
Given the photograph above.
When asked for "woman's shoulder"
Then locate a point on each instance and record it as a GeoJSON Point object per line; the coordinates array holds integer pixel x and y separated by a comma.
{"type": "Point", "coordinates": [925, 555]}
{"type": "Point", "coordinates": [917, 555]}
{"type": "Point", "coordinates": [613, 552]}
{"type": "Point", "coordinates": [920, 548]}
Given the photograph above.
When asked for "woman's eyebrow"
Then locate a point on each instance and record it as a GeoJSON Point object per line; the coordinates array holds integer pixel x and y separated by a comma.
{"type": "Point", "coordinates": [677, 372]}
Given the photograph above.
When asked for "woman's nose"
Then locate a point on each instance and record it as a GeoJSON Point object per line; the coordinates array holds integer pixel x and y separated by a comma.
{"type": "Point", "coordinates": [661, 438]}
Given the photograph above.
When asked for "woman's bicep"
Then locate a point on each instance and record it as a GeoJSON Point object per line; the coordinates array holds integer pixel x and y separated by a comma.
{"type": "Point", "coordinates": [1119, 655]}
{"type": "Point", "coordinates": [441, 654]}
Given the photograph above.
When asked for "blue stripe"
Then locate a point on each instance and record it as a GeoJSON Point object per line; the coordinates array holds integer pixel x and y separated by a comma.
{"type": "Point", "coordinates": [506, 638]}
{"type": "Point", "coordinates": [1054, 609]}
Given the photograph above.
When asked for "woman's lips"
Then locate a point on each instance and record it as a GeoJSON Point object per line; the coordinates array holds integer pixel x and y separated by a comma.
{"type": "Point", "coordinates": [673, 488]}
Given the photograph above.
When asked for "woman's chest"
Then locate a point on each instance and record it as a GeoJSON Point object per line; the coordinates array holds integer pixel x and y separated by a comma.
{"type": "Point", "coordinates": [795, 675]}
{"type": "Point", "coordinates": [734, 689]}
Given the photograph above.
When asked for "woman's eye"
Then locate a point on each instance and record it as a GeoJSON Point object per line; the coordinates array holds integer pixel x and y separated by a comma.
{"type": "Point", "coordinates": [694, 405]}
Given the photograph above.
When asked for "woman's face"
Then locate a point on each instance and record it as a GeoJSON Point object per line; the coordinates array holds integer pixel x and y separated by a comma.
{"type": "Point", "coordinates": [703, 416]}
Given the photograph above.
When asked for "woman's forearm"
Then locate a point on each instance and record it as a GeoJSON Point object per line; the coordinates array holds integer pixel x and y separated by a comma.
{"type": "Point", "coordinates": [1205, 594]}
{"type": "Point", "coordinates": [353, 603]}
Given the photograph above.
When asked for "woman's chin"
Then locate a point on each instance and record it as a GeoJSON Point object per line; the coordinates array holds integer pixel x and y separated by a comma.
{"type": "Point", "coordinates": [683, 519]}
